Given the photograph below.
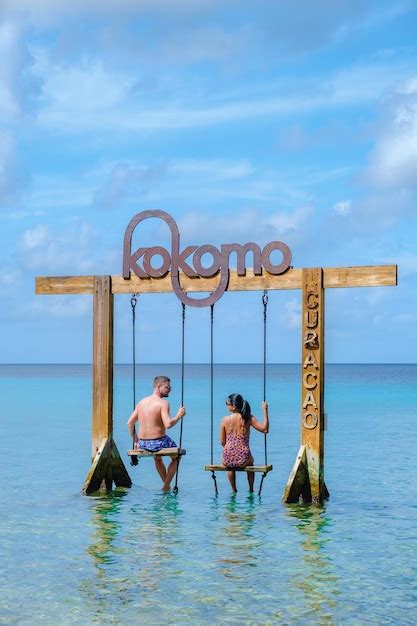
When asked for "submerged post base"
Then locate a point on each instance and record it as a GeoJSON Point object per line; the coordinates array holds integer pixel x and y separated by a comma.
{"type": "Point", "coordinates": [107, 468]}
{"type": "Point", "coordinates": [305, 482]}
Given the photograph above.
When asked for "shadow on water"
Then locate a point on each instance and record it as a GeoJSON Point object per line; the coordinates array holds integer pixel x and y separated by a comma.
{"type": "Point", "coordinates": [315, 575]}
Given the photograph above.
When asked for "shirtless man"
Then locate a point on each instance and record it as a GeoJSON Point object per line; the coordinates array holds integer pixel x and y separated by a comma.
{"type": "Point", "coordinates": [152, 415]}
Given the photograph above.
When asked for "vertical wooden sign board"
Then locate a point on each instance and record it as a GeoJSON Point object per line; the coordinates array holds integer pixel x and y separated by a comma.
{"type": "Point", "coordinates": [306, 480]}
{"type": "Point", "coordinates": [107, 465]}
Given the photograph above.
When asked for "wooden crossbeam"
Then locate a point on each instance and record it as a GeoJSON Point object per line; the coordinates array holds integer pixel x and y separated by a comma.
{"type": "Point", "coordinates": [172, 452]}
{"type": "Point", "coordinates": [359, 276]}
{"type": "Point", "coordinates": [248, 468]}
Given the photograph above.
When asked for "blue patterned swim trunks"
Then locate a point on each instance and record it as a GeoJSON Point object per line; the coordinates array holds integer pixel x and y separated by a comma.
{"type": "Point", "coordinates": [154, 445]}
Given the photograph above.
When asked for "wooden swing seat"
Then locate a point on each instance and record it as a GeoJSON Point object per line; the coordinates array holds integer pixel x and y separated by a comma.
{"type": "Point", "coordinates": [171, 452]}
{"type": "Point", "coordinates": [249, 468]}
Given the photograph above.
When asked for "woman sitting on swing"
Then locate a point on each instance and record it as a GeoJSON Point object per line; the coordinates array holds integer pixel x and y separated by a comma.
{"type": "Point", "coordinates": [234, 436]}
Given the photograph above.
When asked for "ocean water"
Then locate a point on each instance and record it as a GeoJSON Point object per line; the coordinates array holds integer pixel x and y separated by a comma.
{"type": "Point", "coordinates": [137, 556]}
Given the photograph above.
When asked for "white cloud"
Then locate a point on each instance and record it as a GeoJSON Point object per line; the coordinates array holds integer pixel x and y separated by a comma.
{"type": "Point", "coordinates": [126, 179]}
{"type": "Point", "coordinates": [261, 226]}
{"type": "Point", "coordinates": [10, 55]}
{"type": "Point", "coordinates": [293, 314]}
{"type": "Point", "coordinates": [20, 214]}
{"type": "Point", "coordinates": [344, 207]}
{"type": "Point", "coordinates": [219, 169]}
{"type": "Point", "coordinates": [285, 222]}
{"type": "Point", "coordinates": [90, 97]}
{"type": "Point", "coordinates": [88, 86]}
{"type": "Point", "coordinates": [68, 251]}
{"type": "Point", "coordinates": [8, 167]}
{"type": "Point", "coordinates": [48, 11]}
{"type": "Point", "coordinates": [68, 306]}
{"type": "Point", "coordinates": [393, 162]}
{"type": "Point", "coordinates": [404, 318]}
{"type": "Point", "coordinates": [407, 264]}
{"type": "Point", "coordinates": [18, 85]}
{"type": "Point", "coordinates": [35, 237]}
{"type": "Point", "coordinates": [9, 277]}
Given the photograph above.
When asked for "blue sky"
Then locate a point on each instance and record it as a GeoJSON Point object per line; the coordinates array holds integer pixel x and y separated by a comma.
{"type": "Point", "coordinates": [246, 122]}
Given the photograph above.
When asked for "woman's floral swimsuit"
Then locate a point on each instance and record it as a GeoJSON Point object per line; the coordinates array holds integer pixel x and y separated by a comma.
{"type": "Point", "coordinates": [236, 452]}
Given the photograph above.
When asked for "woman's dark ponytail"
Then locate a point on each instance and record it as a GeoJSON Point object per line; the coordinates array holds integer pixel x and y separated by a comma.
{"type": "Point", "coordinates": [242, 406]}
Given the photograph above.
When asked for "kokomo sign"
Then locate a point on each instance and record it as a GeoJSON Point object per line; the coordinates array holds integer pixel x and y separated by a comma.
{"type": "Point", "coordinates": [193, 267]}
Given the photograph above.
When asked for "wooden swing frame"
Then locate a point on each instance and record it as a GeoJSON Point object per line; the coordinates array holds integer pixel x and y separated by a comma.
{"type": "Point", "coordinates": [174, 453]}
{"type": "Point", "coordinates": [306, 480]}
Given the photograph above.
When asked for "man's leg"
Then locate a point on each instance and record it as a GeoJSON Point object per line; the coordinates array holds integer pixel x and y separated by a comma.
{"type": "Point", "coordinates": [160, 467]}
{"type": "Point", "coordinates": [170, 473]}
{"type": "Point", "coordinates": [232, 479]}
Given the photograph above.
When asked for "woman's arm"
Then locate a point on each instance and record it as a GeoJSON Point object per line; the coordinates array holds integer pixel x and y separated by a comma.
{"type": "Point", "coordinates": [223, 433]}
{"type": "Point", "coordinates": [263, 427]}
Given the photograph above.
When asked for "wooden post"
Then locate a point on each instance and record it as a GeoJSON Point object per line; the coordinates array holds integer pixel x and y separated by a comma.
{"type": "Point", "coordinates": [102, 361]}
{"type": "Point", "coordinates": [306, 480]}
{"type": "Point", "coordinates": [107, 465]}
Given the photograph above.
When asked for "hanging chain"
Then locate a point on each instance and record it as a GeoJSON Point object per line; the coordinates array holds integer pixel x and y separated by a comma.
{"type": "Point", "coordinates": [133, 303]}
{"type": "Point", "coordinates": [182, 391]}
{"type": "Point", "coordinates": [211, 384]}
{"type": "Point", "coordinates": [213, 474]}
{"type": "Point", "coordinates": [265, 305]}
{"type": "Point", "coordinates": [182, 357]}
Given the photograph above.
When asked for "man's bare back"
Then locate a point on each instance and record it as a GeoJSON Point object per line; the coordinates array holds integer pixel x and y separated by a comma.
{"type": "Point", "coordinates": [149, 411]}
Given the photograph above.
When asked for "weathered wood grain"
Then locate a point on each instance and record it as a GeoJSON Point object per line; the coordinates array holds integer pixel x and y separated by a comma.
{"type": "Point", "coordinates": [49, 285]}
{"type": "Point", "coordinates": [102, 426]}
{"type": "Point", "coordinates": [107, 467]}
{"type": "Point", "coordinates": [298, 481]}
{"type": "Point", "coordinates": [171, 452]}
{"type": "Point", "coordinates": [248, 468]}
{"type": "Point", "coordinates": [333, 277]}
{"type": "Point", "coordinates": [307, 477]}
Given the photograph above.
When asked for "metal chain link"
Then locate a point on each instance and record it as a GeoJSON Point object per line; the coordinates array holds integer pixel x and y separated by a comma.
{"type": "Point", "coordinates": [133, 303]}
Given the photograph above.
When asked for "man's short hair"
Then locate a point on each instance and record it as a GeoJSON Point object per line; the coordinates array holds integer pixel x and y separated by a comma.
{"type": "Point", "coordinates": [160, 380]}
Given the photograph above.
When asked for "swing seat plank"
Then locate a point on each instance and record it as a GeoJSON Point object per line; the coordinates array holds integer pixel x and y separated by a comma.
{"type": "Point", "coordinates": [248, 468]}
{"type": "Point", "coordinates": [171, 452]}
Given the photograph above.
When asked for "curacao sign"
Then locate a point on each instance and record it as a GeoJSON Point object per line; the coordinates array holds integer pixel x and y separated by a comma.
{"type": "Point", "coordinates": [156, 261]}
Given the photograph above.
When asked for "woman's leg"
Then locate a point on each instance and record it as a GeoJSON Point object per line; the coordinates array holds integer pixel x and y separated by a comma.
{"type": "Point", "coordinates": [251, 480]}
{"type": "Point", "coordinates": [250, 475]}
{"type": "Point", "coordinates": [232, 479]}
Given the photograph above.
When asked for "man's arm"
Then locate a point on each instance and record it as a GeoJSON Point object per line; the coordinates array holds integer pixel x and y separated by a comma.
{"type": "Point", "coordinates": [167, 420]}
{"type": "Point", "coordinates": [131, 425]}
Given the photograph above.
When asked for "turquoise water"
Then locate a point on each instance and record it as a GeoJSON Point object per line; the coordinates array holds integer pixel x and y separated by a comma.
{"type": "Point", "coordinates": [138, 556]}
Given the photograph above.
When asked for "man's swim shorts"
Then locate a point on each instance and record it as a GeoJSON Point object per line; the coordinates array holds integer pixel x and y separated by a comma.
{"type": "Point", "coordinates": [154, 445]}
